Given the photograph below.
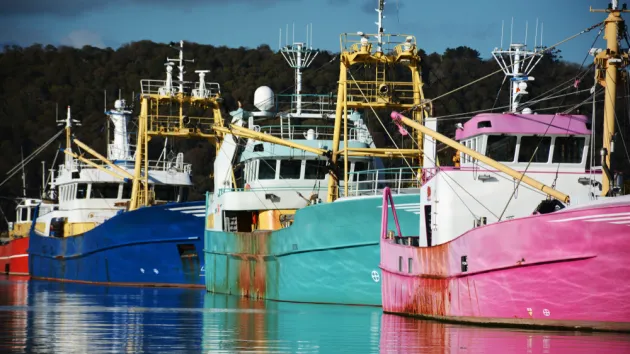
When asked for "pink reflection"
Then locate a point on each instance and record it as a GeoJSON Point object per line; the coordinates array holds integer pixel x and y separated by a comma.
{"type": "Point", "coordinates": [410, 335]}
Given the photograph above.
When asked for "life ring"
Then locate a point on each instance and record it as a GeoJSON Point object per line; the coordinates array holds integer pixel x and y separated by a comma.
{"type": "Point", "coordinates": [247, 187]}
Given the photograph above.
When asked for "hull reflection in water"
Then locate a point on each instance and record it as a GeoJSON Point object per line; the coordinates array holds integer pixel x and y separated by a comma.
{"type": "Point", "coordinates": [53, 317]}
{"type": "Point", "coordinates": [406, 334]}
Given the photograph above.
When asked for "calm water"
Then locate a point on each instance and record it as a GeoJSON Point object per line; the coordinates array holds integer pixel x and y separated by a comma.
{"type": "Point", "coordinates": [39, 316]}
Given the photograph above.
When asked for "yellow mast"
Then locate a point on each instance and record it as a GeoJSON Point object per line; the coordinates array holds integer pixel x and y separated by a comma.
{"type": "Point", "coordinates": [378, 51]}
{"type": "Point", "coordinates": [608, 63]}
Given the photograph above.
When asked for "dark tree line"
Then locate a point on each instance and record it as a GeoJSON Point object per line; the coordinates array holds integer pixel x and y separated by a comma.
{"type": "Point", "coordinates": [35, 80]}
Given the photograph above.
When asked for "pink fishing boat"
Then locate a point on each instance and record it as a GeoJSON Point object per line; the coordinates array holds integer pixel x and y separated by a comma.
{"type": "Point", "coordinates": [514, 251]}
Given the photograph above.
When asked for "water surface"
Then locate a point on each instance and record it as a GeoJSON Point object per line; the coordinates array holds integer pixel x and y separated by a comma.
{"type": "Point", "coordinates": [52, 317]}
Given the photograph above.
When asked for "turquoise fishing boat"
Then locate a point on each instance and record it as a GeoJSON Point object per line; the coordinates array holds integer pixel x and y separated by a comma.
{"type": "Point", "coordinates": [292, 219]}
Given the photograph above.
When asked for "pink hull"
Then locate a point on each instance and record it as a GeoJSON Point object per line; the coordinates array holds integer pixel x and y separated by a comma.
{"type": "Point", "coordinates": [14, 257]}
{"type": "Point", "coordinates": [564, 269]}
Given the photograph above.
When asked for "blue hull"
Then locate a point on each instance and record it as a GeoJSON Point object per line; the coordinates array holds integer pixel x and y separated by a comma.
{"type": "Point", "coordinates": [153, 246]}
{"type": "Point", "coordinates": [330, 254]}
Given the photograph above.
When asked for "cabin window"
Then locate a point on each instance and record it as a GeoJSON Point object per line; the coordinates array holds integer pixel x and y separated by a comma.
{"type": "Point", "coordinates": [165, 192]}
{"type": "Point", "coordinates": [81, 191]}
{"type": "Point", "coordinates": [126, 192]}
{"type": "Point", "coordinates": [529, 152]}
{"type": "Point", "coordinates": [290, 169]}
{"type": "Point", "coordinates": [315, 169]}
{"type": "Point", "coordinates": [568, 150]}
{"type": "Point", "coordinates": [183, 193]}
{"type": "Point", "coordinates": [266, 169]}
{"type": "Point", "coordinates": [501, 148]}
{"type": "Point", "coordinates": [104, 190]}
{"type": "Point", "coordinates": [362, 166]}
{"type": "Point", "coordinates": [23, 214]}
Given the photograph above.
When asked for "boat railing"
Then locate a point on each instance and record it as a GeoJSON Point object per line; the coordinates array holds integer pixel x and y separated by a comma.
{"type": "Point", "coordinates": [372, 182]}
{"type": "Point", "coordinates": [222, 191]}
{"type": "Point", "coordinates": [172, 166]}
{"type": "Point", "coordinates": [389, 92]}
{"type": "Point", "coordinates": [175, 124]}
{"type": "Point", "coordinates": [391, 43]}
{"type": "Point", "coordinates": [159, 87]}
{"type": "Point", "coordinates": [309, 132]}
{"type": "Point", "coordinates": [316, 104]}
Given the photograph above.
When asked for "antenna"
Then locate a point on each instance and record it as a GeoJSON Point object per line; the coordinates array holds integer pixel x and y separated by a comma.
{"type": "Point", "coordinates": [526, 25]}
{"type": "Point", "coordinates": [23, 173]}
{"type": "Point", "coordinates": [280, 39]}
{"type": "Point", "coordinates": [379, 36]}
{"type": "Point", "coordinates": [541, 33]}
{"type": "Point", "coordinates": [536, 35]}
{"type": "Point", "coordinates": [43, 179]}
{"type": "Point", "coordinates": [502, 25]}
{"type": "Point", "coordinates": [180, 60]}
{"type": "Point", "coordinates": [511, 31]}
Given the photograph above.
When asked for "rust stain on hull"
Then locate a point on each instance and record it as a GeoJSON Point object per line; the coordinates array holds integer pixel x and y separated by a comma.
{"type": "Point", "coordinates": [431, 290]}
{"type": "Point", "coordinates": [252, 247]}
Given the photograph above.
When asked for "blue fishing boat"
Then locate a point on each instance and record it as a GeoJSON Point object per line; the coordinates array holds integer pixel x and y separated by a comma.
{"type": "Point", "coordinates": [125, 219]}
{"type": "Point", "coordinates": [292, 222]}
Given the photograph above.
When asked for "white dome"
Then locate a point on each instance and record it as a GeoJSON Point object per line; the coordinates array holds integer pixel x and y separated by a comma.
{"type": "Point", "coordinates": [118, 104]}
{"type": "Point", "coordinates": [527, 111]}
{"type": "Point", "coordinates": [264, 98]}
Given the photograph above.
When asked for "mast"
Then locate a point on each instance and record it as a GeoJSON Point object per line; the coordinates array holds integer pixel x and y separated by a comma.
{"type": "Point", "coordinates": [377, 51]}
{"type": "Point", "coordinates": [379, 36]}
{"type": "Point", "coordinates": [517, 63]}
{"type": "Point", "coordinates": [608, 63]}
{"type": "Point", "coordinates": [69, 162]}
{"type": "Point", "coordinates": [23, 174]}
{"type": "Point", "coordinates": [299, 56]}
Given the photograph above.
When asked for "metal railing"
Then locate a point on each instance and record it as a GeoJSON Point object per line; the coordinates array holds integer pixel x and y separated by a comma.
{"type": "Point", "coordinates": [154, 165]}
{"type": "Point", "coordinates": [309, 132]}
{"type": "Point", "coordinates": [317, 104]}
{"type": "Point", "coordinates": [391, 43]}
{"type": "Point", "coordinates": [159, 87]}
{"type": "Point", "coordinates": [372, 182]}
{"type": "Point", "coordinates": [170, 124]}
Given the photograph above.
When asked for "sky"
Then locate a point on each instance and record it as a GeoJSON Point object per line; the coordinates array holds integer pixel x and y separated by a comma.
{"type": "Point", "coordinates": [437, 24]}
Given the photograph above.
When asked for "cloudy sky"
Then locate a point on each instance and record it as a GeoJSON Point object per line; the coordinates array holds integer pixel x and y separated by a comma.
{"type": "Point", "coordinates": [438, 24]}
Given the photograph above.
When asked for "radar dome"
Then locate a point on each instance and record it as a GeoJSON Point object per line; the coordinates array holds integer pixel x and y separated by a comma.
{"type": "Point", "coordinates": [527, 111]}
{"type": "Point", "coordinates": [264, 98]}
{"type": "Point", "coordinates": [118, 104]}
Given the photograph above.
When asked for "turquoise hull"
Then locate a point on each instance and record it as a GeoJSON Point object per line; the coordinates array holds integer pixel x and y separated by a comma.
{"type": "Point", "coordinates": [330, 254]}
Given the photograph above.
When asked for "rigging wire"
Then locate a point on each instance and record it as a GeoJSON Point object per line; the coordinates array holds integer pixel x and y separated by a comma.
{"type": "Point", "coordinates": [22, 164]}
{"type": "Point", "coordinates": [502, 69]}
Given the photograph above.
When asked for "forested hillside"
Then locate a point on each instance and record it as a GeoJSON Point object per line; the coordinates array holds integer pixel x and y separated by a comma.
{"type": "Point", "coordinates": [33, 80]}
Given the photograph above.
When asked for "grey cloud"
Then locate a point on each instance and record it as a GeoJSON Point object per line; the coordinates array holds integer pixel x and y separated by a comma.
{"type": "Point", "coordinates": [75, 7]}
